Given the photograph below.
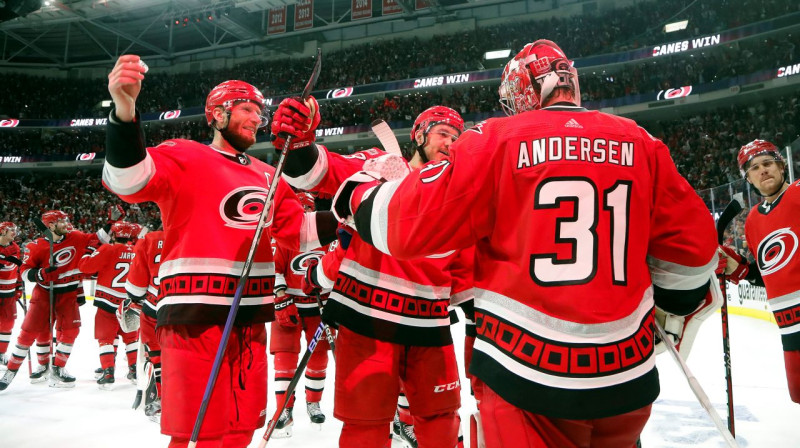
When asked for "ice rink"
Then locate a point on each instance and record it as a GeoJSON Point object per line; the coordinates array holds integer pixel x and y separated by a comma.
{"type": "Point", "coordinates": [35, 416]}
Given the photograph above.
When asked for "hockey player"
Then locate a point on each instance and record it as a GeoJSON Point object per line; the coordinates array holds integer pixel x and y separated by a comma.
{"type": "Point", "coordinates": [393, 316]}
{"type": "Point", "coordinates": [296, 313]}
{"type": "Point", "coordinates": [63, 276]}
{"type": "Point", "coordinates": [10, 284]}
{"type": "Point", "coordinates": [142, 288]}
{"type": "Point", "coordinates": [772, 230]}
{"type": "Point", "coordinates": [111, 263]}
{"type": "Point", "coordinates": [582, 225]}
{"type": "Point", "coordinates": [208, 229]}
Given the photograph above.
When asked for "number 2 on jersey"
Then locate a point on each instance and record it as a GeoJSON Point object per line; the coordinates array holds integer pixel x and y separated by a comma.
{"type": "Point", "coordinates": [580, 230]}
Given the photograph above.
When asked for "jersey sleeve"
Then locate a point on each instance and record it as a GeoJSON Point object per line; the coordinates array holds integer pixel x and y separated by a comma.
{"type": "Point", "coordinates": [94, 262]}
{"type": "Point", "coordinates": [148, 180]}
{"type": "Point", "coordinates": [139, 276]}
{"type": "Point", "coordinates": [296, 230]}
{"type": "Point", "coordinates": [34, 259]}
{"type": "Point", "coordinates": [456, 194]}
{"type": "Point", "coordinates": [281, 263]}
{"type": "Point", "coordinates": [316, 169]}
{"type": "Point", "coordinates": [328, 268]}
{"type": "Point", "coordinates": [462, 274]}
{"type": "Point", "coordinates": [682, 251]}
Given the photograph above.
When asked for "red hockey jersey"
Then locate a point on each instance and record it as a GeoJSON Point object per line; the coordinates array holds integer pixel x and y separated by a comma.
{"type": "Point", "coordinates": [67, 254]}
{"type": "Point", "coordinates": [10, 279]}
{"type": "Point", "coordinates": [772, 234]}
{"type": "Point", "coordinates": [290, 269]}
{"type": "Point", "coordinates": [575, 215]}
{"type": "Point", "coordinates": [375, 295]}
{"type": "Point", "coordinates": [210, 202]}
{"type": "Point", "coordinates": [143, 279]}
{"type": "Point", "coordinates": [111, 263]}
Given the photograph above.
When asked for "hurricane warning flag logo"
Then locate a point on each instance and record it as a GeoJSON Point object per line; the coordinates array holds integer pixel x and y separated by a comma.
{"type": "Point", "coordinates": [775, 251]}
{"type": "Point", "coordinates": [242, 207]}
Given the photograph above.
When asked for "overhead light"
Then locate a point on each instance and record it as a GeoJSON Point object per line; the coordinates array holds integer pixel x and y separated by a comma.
{"type": "Point", "coordinates": [676, 26]}
{"type": "Point", "coordinates": [497, 54]}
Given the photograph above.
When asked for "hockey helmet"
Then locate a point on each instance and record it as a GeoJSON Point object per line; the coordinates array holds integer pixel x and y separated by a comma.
{"type": "Point", "coordinates": [6, 226]}
{"type": "Point", "coordinates": [229, 93]}
{"type": "Point", "coordinates": [532, 75]}
{"type": "Point", "coordinates": [757, 148]}
{"type": "Point", "coordinates": [436, 115]}
{"type": "Point", "coordinates": [125, 230]}
{"type": "Point", "coordinates": [53, 216]}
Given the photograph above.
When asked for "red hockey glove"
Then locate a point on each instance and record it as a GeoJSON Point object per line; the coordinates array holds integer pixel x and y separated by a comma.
{"type": "Point", "coordinates": [286, 312]}
{"type": "Point", "coordinates": [310, 285]}
{"type": "Point", "coordinates": [115, 213]}
{"type": "Point", "coordinates": [296, 119]}
{"type": "Point", "coordinates": [736, 267]}
{"type": "Point", "coordinates": [49, 274]}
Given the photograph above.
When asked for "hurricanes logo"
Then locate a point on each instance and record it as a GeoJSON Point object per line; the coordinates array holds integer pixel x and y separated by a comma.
{"type": "Point", "coordinates": [169, 115]}
{"type": "Point", "coordinates": [10, 123]}
{"type": "Point", "coordinates": [242, 207]}
{"type": "Point", "coordinates": [478, 127]}
{"type": "Point", "coordinates": [64, 256]}
{"type": "Point", "coordinates": [339, 93]}
{"type": "Point", "coordinates": [299, 264]}
{"type": "Point", "coordinates": [776, 250]}
{"type": "Point", "coordinates": [433, 171]}
{"type": "Point", "coordinates": [674, 93]}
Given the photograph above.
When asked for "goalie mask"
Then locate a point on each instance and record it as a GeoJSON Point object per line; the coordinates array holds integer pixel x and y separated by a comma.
{"type": "Point", "coordinates": [428, 119]}
{"type": "Point", "coordinates": [532, 76]}
{"type": "Point", "coordinates": [229, 93]}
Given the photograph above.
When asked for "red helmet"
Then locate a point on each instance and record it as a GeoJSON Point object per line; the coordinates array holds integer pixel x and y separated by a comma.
{"type": "Point", "coordinates": [228, 93]}
{"type": "Point", "coordinates": [53, 216]}
{"type": "Point", "coordinates": [754, 149]}
{"type": "Point", "coordinates": [124, 229]}
{"type": "Point", "coordinates": [436, 115]}
{"type": "Point", "coordinates": [306, 200]}
{"type": "Point", "coordinates": [533, 74]}
{"type": "Point", "coordinates": [6, 226]}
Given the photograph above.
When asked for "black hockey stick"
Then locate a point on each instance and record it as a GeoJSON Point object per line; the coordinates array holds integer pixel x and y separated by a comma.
{"type": "Point", "coordinates": [328, 334]}
{"type": "Point", "coordinates": [48, 235]}
{"type": "Point", "coordinates": [237, 297]}
{"type": "Point", "coordinates": [21, 302]}
{"type": "Point", "coordinates": [293, 384]}
{"type": "Point", "coordinates": [730, 212]}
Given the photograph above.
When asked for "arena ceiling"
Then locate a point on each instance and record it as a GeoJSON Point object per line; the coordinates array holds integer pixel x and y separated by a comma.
{"type": "Point", "coordinates": [73, 33]}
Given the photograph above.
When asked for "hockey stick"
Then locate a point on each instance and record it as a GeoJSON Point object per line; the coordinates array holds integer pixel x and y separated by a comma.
{"type": "Point", "coordinates": [140, 380]}
{"type": "Point", "coordinates": [386, 137]}
{"type": "Point", "coordinates": [328, 334]}
{"type": "Point", "coordinates": [25, 313]}
{"type": "Point", "coordinates": [696, 388]}
{"type": "Point", "coordinates": [237, 297]}
{"type": "Point", "coordinates": [730, 212]}
{"type": "Point", "coordinates": [48, 235]}
{"type": "Point", "coordinates": [292, 384]}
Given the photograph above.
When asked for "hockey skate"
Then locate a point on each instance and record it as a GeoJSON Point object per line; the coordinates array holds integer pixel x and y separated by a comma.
{"type": "Point", "coordinates": [153, 410]}
{"type": "Point", "coordinates": [60, 378]}
{"type": "Point", "coordinates": [403, 432]}
{"type": "Point", "coordinates": [283, 429]}
{"type": "Point", "coordinates": [98, 373]}
{"type": "Point", "coordinates": [40, 374]}
{"type": "Point", "coordinates": [106, 380]}
{"type": "Point", "coordinates": [6, 379]}
{"type": "Point", "coordinates": [132, 374]}
{"type": "Point", "coordinates": [315, 415]}
{"type": "Point", "coordinates": [3, 361]}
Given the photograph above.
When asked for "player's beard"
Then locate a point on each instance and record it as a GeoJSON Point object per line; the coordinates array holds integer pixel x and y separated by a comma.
{"type": "Point", "coordinates": [235, 139]}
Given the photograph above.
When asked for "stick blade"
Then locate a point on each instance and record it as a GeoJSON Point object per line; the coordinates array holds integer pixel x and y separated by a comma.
{"type": "Point", "coordinates": [386, 137]}
{"type": "Point", "coordinates": [731, 210]}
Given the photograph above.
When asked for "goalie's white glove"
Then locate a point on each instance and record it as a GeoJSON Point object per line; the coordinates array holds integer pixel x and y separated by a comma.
{"type": "Point", "coordinates": [385, 168]}
{"type": "Point", "coordinates": [128, 315]}
{"type": "Point", "coordinates": [683, 329]}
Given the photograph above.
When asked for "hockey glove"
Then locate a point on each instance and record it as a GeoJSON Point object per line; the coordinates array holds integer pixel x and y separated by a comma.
{"type": "Point", "coordinates": [115, 213]}
{"type": "Point", "coordinates": [736, 267]}
{"type": "Point", "coordinates": [343, 201]}
{"type": "Point", "coordinates": [286, 311]}
{"type": "Point", "coordinates": [310, 284]}
{"type": "Point", "coordinates": [49, 274]}
{"type": "Point", "coordinates": [297, 119]}
{"type": "Point", "coordinates": [128, 316]}
{"type": "Point", "coordinates": [683, 329]}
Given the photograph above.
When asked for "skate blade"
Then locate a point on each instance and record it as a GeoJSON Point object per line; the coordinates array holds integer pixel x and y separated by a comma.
{"type": "Point", "coordinates": [38, 380]}
{"type": "Point", "coordinates": [60, 385]}
{"type": "Point", "coordinates": [283, 433]}
{"type": "Point", "coordinates": [156, 418]}
{"type": "Point", "coordinates": [106, 386]}
{"type": "Point", "coordinates": [316, 426]}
